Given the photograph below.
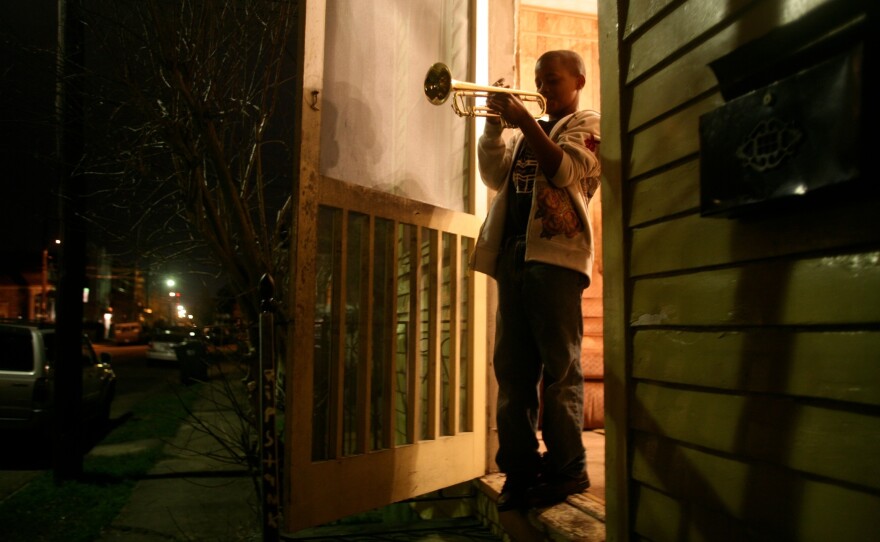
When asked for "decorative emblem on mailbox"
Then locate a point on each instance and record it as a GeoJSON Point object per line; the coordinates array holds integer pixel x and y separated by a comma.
{"type": "Point", "coordinates": [768, 145]}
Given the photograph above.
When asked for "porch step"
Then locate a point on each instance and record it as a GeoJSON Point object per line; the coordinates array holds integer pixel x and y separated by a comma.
{"type": "Point", "coordinates": [581, 518]}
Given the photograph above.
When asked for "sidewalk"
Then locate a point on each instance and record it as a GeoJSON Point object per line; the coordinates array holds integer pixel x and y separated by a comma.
{"type": "Point", "coordinates": [192, 494]}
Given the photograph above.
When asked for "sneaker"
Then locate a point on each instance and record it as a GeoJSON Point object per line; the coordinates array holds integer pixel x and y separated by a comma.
{"type": "Point", "coordinates": [515, 493]}
{"type": "Point", "coordinates": [554, 489]}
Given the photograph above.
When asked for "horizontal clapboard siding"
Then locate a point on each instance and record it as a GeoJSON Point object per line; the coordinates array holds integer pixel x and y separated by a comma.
{"type": "Point", "coordinates": [833, 365]}
{"type": "Point", "coordinates": [752, 361]}
{"type": "Point", "coordinates": [687, 75]}
{"type": "Point", "coordinates": [670, 192]}
{"type": "Point", "coordinates": [678, 30]}
{"type": "Point", "coordinates": [812, 291]}
{"type": "Point", "coordinates": [800, 435]}
{"type": "Point", "coordinates": [691, 242]}
{"type": "Point", "coordinates": [671, 139]}
{"type": "Point", "coordinates": [757, 501]}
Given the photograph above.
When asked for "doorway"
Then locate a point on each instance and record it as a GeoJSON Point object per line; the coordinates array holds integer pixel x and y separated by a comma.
{"type": "Point", "coordinates": [544, 25]}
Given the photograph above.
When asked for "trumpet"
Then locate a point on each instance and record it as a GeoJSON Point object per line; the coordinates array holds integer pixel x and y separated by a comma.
{"type": "Point", "coordinates": [439, 86]}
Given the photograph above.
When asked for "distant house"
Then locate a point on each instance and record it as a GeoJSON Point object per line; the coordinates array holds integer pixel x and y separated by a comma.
{"type": "Point", "coordinates": [25, 283]}
{"type": "Point", "coordinates": [27, 279]}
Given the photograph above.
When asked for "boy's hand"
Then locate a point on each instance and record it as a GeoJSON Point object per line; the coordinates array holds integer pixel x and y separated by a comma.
{"type": "Point", "coordinates": [509, 106]}
{"type": "Point", "coordinates": [498, 83]}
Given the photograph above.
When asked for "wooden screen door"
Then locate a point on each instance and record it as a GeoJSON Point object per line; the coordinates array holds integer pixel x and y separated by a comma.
{"type": "Point", "coordinates": [386, 369]}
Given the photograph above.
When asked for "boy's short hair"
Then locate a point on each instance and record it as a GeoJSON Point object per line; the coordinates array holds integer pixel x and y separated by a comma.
{"type": "Point", "coordinates": [570, 58]}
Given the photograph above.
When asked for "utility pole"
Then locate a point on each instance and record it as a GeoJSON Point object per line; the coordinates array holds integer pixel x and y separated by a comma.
{"type": "Point", "coordinates": [70, 57]}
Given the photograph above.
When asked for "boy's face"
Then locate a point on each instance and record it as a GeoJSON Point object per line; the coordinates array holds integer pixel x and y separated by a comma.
{"type": "Point", "coordinates": [559, 85]}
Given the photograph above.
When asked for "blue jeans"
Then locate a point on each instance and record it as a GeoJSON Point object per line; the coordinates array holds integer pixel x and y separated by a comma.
{"type": "Point", "coordinates": [538, 335]}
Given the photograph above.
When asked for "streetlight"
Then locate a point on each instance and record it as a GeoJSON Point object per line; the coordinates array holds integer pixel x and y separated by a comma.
{"type": "Point", "coordinates": [170, 283]}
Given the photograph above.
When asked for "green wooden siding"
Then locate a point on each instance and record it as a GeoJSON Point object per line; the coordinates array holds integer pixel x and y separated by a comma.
{"type": "Point", "coordinates": [742, 354]}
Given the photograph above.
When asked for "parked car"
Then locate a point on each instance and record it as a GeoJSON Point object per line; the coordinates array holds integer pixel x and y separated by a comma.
{"type": "Point", "coordinates": [27, 385]}
{"type": "Point", "coordinates": [162, 343]}
{"type": "Point", "coordinates": [128, 333]}
{"type": "Point", "coordinates": [219, 335]}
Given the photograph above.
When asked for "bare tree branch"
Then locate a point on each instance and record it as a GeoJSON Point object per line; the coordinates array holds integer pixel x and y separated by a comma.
{"type": "Point", "coordinates": [198, 147]}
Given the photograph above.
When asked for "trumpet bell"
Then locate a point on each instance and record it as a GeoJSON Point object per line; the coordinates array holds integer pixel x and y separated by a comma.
{"type": "Point", "coordinates": [438, 83]}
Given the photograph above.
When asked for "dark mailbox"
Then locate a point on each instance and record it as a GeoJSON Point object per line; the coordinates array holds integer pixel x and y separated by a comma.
{"type": "Point", "coordinates": [784, 140]}
{"type": "Point", "coordinates": [794, 122]}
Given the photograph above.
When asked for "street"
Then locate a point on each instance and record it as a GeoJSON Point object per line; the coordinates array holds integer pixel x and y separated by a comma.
{"type": "Point", "coordinates": [137, 378]}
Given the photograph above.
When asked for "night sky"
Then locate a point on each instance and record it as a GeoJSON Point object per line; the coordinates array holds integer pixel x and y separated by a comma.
{"type": "Point", "coordinates": [27, 139]}
{"type": "Point", "coordinates": [29, 197]}
{"type": "Point", "coordinates": [28, 174]}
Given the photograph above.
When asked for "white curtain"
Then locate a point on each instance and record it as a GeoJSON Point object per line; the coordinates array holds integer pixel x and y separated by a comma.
{"type": "Point", "coordinates": [378, 129]}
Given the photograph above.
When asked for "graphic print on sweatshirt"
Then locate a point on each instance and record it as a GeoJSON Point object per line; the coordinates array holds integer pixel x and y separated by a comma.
{"type": "Point", "coordinates": [525, 170]}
